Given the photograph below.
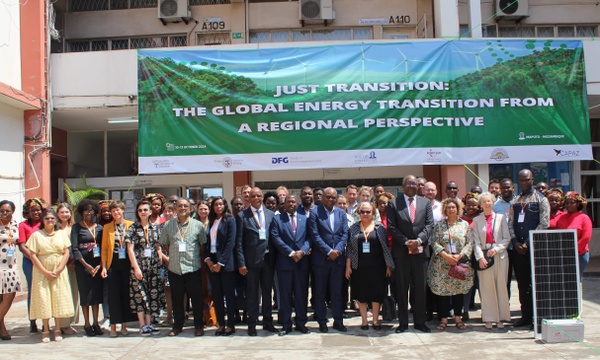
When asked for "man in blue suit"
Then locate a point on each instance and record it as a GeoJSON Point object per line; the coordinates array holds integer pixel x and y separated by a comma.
{"type": "Point", "coordinates": [290, 239]}
{"type": "Point", "coordinates": [328, 231]}
{"type": "Point", "coordinates": [255, 260]}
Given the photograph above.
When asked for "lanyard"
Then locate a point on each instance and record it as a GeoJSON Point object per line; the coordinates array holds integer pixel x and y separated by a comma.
{"type": "Point", "coordinates": [93, 233]}
{"type": "Point", "coordinates": [365, 233]}
{"type": "Point", "coordinates": [523, 207]}
{"type": "Point", "coordinates": [120, 237]}
{"type": "Point", "coordinates": [179, 230]}
{"type": "Point", "coordinates": [450, 235]}
{"type": "Point", "coordinates": [146, 235]}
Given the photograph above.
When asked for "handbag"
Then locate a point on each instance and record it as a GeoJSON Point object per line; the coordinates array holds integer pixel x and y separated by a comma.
{"type": "Point", "coordinates": [490, 262]}
{"type": "Point", "coordinates": [388, 308]}
{"type": "Point", "coordinates": [459, 271]}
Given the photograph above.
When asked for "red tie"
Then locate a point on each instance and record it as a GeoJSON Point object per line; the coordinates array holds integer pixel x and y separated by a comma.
{"type": "Point", "coordinates": [411, 209]}
{"type": "Point", "coordinates": [293, 224]}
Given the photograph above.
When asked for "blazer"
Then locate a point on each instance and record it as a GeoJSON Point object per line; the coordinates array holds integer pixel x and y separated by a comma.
{"type": "Point", "coordinates": [402, 229]}
{"type": "Point", "coordinates": [250, 249]}
{"type": "Point", "coordinates": [225, 243]}
{"type": "Point", "coordinates": [323, 238]}
{"type": "Point", "coordinates": [501, 234]}
{"type": "Point", "coordinates": [356, 237]}
{"type": "Point", "coordinates": [108, 242]}
{"type": "Point", "coordinates": [285, 242]}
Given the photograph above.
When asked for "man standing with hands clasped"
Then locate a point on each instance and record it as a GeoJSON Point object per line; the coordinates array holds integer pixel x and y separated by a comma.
{"type": "Point", "coordinates": [183, 238]}
{"type": "Point", "coordinates": [410, 221]}
{"type": "Point", "coordinates": [328, 229]}
{"type": "Point", "coordinates": [255, 260]}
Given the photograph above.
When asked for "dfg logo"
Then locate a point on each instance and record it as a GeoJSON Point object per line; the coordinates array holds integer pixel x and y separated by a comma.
{"type": "Point", "coordinates": [279, 160]}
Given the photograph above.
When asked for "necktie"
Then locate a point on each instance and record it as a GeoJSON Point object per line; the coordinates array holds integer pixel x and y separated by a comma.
{"type": "Point", "coordinates": [293, 224]}
{"type": "Point", "coordinates": [411, 209]}
{"type": "Point", "coordinates": [259, 219]}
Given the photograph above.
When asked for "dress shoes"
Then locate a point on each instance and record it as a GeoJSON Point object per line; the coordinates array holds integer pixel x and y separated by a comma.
{"type": "Point", "coordinates": [175, 332]}
{"type": "Point", "coordinates": [283, 332]}
{"type": "Point", "coordinates": [422, 328]}
{"type": "Point", "coordinates": [364, 327]}
{"type": "Point", "coordinates": [220, 331]}
{"type": "Point", "coordinates": [323, 328]}
{"type": "Point", "coordinates": [340, 327]}
{"type": "Point", "coordinates": [523, 322]}
{"type": "Point", "coordinates": [251, 331]}
{"type": "Point", "coordinates": [377, 327]}
{"type": "Point", "coordinates": [303, 329]}
{"type": "Point", "coordinates": [270, 328]}
{"type": "Point", "coordinates": [401, 328]}
{"type": "Point", "coordinates": [199, 332]}
{"type": "Point", "coordinates": [229, 331]}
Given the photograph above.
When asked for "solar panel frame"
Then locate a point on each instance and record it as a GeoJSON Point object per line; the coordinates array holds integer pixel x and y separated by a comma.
{"type": "Point", "coordinates": [554, 276]}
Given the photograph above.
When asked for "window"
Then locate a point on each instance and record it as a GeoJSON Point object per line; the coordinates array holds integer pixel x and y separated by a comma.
{"type": "Point", "coordinates": [545, 31]}
{"type": "Point", "coordinates": [127, 43]}
{"type": "Point", "coordinates": [359, 33]}
{"type": "Point", "coordinates": [218, 38]}
{"type": "Point", "coordinates": [590, 176]}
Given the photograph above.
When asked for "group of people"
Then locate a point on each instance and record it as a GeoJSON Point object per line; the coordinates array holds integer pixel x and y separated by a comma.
{"type": "Point", "coordinates": [429, 255]}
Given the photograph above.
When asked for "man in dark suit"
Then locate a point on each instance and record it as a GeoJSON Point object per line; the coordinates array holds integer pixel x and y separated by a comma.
{"type": "Point", "coordinates": [410, 221]}
{"type": "Point", "coordinates": [255, 260]}
{"type": "Point", "coordinates": [328, 231]}
{"type": "Point", "coordinates": [289, 237]}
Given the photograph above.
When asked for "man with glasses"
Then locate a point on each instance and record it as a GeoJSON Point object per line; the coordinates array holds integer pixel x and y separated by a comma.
{"type": "Point", "coordinates": [410, 221]}
{"type": "Point", "coordinates": [255, 260]}
{"type": "Point", "coordinates": [183, 238]}
{"type": "Point", "coordinates": [530, 210]}
{"type": "Point", "coordinates": [452, 191]}
{"type": "Point", "coordinates": [328, 231]}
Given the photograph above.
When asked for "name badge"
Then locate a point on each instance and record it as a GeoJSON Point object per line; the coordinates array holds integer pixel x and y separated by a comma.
{"type": "Point", "coordinates": [453, 248]}
{"type": "Point", "coordinates": [10, 253]}
{"type": "Point", "coordinates": [122, 254]}
{"type": "Point", "coordinates": [213, 248]}
{"type": "Point", "coordinates": [182, 246]}
{"type": "Point", "coordinates": [366, 247]}
{"type": "Point", "coordinates": [96, 252]}
{"type": "Point", "coordinates": [148, 252]}
{"type": "Point", "coordinates": [521, 217]}
{"type": "Point", "coordinates": [262, 233]}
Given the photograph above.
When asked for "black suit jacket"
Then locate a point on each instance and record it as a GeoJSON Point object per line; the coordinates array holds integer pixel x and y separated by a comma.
{"type": "Point", "coordinates": [402, 229]}
{"type": "Point", "coordinates": [250, 248]}
{"type": "Point", "coordinates": [226, 234]}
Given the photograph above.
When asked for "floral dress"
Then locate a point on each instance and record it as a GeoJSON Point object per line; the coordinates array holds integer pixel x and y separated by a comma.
{"type": "Point", "coordinates": [10, 281]}
{"type": "Point", "coordinates": [437, 275]}
{"type": "Point", "coordinates": [147, 295]}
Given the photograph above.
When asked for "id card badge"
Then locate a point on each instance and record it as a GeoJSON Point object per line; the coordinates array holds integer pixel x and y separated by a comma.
{"type": "Point", "coordinates": [10, 253]}
{"type": "Point", "coordinates": [122, 254]}
{"type": "Point", "coordinates": [521, 217]}
{"type": "Point", "coordinates": [366, 247]}
{"type": "Point", "coordinates": [182, 246]}
{"type": "Point", "coordinates": [148, 252]}
{"type": "Point", "coordinates": [262, 233]}
{"type": "Point", "coordinates": [96, 252]}
{"type": "Point", "coordinates": [213, 248]}
{"type": "Point", "coordinates": [453, 248]}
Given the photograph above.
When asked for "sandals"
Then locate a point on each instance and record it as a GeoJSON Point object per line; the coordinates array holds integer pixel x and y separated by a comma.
{"type": "Point", "coordinates": [57, 336]}
{"type": "Point", "coordinates": [442, 325]}
{"type": "Point", "coordinates": [45, 336]}
{"type": "Point", "coordinates": [461, 325]}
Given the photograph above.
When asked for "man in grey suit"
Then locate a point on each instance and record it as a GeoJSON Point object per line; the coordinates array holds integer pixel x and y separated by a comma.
{"type": "Point", "coordinates": [410, 222]}
{"type": "Point", "coordinates": [255, 260]}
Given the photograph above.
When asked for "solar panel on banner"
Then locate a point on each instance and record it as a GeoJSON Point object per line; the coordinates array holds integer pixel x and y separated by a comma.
{"type": "Point", "coordinates": [555, 276]}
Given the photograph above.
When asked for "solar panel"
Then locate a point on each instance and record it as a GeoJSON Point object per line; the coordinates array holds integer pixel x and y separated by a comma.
{"type": "Point", "coordinates": [555, 279]}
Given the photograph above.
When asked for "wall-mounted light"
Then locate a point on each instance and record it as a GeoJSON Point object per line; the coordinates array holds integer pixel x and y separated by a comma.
{"type": "Point", "coordinates": [123, 120]}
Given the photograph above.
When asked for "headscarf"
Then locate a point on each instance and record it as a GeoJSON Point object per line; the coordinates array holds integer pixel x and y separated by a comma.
{"type": "Point", "coordinates": [155, 196]}
{"type": "Point", "coordinates": [32, 203]}
{"type": "Point", "coordinates": [577, 197]}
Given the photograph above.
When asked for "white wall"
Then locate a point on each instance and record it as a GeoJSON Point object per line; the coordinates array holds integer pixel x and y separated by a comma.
{"type": "Point", "coordinates": [10, 43]}
{"type": "Point", "coordinates": [11, 152]}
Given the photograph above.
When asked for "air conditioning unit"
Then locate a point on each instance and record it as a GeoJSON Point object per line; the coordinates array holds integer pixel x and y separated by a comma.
{"type": "Point", "coordinates": [512, 9]}
{"type": "Point", "coordinates": [318, 10]}
{"type": "Point", "coordinates": [173, 10]}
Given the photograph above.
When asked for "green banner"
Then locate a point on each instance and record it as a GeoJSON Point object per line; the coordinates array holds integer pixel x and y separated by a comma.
{"type": "Point", "coordinates": [368, 104]}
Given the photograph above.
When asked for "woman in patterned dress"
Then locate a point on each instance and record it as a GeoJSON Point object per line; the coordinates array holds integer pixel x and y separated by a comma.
{"type": "Point", "coordinates": [10, 282]}
{"type": "Point", "coordinates": [452, 244]}
{"type": "Point", "coordinates": [50, 290]}
{"type": "Point", "coordinates": [147, 295]}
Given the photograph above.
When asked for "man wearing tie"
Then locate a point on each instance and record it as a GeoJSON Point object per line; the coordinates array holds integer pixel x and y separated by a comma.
{"type": "Point", "coordinates": [328, 231]}
{"type": "Point", "coordinates": [410, 221]}
{"type": "Point", "coordinates": [289, 237]}
{"type": "Point", "coordinates": [255, 261]}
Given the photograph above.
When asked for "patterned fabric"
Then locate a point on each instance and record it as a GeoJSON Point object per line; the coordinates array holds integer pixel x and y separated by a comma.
{"type": "Point", "coordinates": [437, 275]}
{"type": "Point", "coordinates": [50, 298]}
{"type": "Point", "coordinates": [147, 295]}
{"type": "Point", "coordinates": [10, 280]}
{"type": "Point", "coordinates": [189, 261]}
{"type": "Point", "coordinates": [355, 237]}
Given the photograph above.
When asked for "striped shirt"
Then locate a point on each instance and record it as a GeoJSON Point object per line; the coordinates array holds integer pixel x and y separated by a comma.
{"type": "Point", "coordinates": [194, 236]}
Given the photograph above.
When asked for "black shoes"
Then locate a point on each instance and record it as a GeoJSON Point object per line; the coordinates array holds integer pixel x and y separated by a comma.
{"type": "Point", "coordinates": [340, 327]}
{"type": "Point", "coordinates": [229, 331]}
{"type": "Point", "coordinates": [303, 329]}
{"type": "Point", "coordinates": [377, 327]}
{"type": "Point", "coordinates": [89, 331]}
{"type": "Point", "coordinates": [97, 330]}
{"type": "Point", "coordinates": [251, 331]}
{"type": "Point", "coordinates": [523, 322]}
{"type": "Point", "coordinates": [33, 327]}
{"type": "Point", "coordinates": [401, 328]}
{"type": "Point", "coordinates": [323, 328]}
{"type": "Point", "coordinates": [422, 328]}
{"type": "Point", "coordinates": [365, 327]}
{"type": "Point", "coordinates": [270, 328]}
{"type": "Point", "coordinates": [285, 331]}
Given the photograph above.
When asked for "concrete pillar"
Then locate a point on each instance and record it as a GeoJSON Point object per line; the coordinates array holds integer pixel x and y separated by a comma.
{"type": "Point", "coordinates": [475, 19]}
{"type": "Point", "coordinates": [454, 173]}
{"type": "Point", "coordinates": [445, 13]}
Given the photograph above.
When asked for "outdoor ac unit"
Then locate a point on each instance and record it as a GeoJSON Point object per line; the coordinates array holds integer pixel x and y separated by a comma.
{"type": "Point", "coordinates": [316, 10]}
{"type": "Point", "coordinates": [512, 9]}
{"type": "Point", "coordinates": [173, 9]}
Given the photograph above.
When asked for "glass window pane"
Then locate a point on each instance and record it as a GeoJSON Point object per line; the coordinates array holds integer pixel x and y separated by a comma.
{"type": "Point", "coordinates": [322, 35]}
{"type": "Point", "coordinates": [545, 31]}
{"type": "Point", "coordinates": [178, 41]}
{"type": "Point", "coordinates": [566, 31]}
{"type": "Point", "coordinates": [589, 186]}
{"type": "Point", "coordinates": [362, 34]}
{"type": "Point", "coordinates": [260, 37]}
{"type": "Point", "coordinates": [140, 4]}
{"type": "Point", "coordinates": [587, 31]}
{"type": "Point", "coordinates": [527, 31]}
{"type": "Point", "coordinates": [301, 35]}
{"type": "Point", "coordinates": [505, 31]}
{"type": "Point", "coordinates": [119, 4]}
{"type": "Point", "coordinates": [464, 31]}
{"type": "Point", "coordinates": [120, 44]}
{"type": "Point", "coordinates": [208, 2]}
{"type": "Point", "coordinates": [99, 45]}
{"type": "Point", "coordinates": [78, 46]}
{"type": "Point", "coordinates": [490, 31]}
{"type": "Point", "coordinates": [88, 5]}
{"type": "Point", "coordinates": [593, 211]}
{"type": "Point", "coordinates": [280, 36]}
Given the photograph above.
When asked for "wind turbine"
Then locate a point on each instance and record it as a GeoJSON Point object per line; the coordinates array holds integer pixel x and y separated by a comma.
{"type": "Point", "coordinates": [405, 61]}
{"type": "Point", "coordinates": [363, 59]}
{"type": "Point", "coordinates": [478, 60]}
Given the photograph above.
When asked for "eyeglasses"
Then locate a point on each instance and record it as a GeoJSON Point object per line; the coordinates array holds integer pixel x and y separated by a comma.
{"type": "Point", "coordinates": [91, 211]}
{"type": "Point", "coordinates": [410, 183]}
{"type": "Point", "coordinates": [421, 185]}
{"type": "Point", "coordinates": [256, 196]}
{"type": "Point", "coordinates": [5, 211]}
{"type": "Point", "coordinates": [50, 219]}
{"type": "Point", "coordinates": [330, 197]}
{"type": "Point", "coordinates": [183, 206]}
{"type": "Point", "coordinates": [365, 212]}
{"type": "Point", "coordinates": [144, 210]}
{"type": "Point", "coordinates": [451, 188]}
